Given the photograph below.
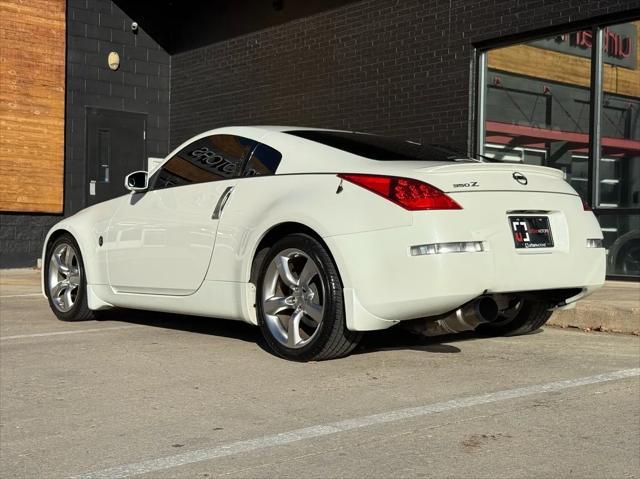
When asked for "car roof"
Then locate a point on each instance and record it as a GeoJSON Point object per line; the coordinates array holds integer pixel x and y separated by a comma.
{"type": "Point", "coordinates": [254, 132]}
{"type": "Point", "coordinates": [301, 154]}
{"type": "Point", "coordinates": [257, 129]}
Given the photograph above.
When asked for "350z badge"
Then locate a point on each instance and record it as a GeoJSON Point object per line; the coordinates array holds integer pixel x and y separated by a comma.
{"type": "Point", "coordinates": [469, 184]}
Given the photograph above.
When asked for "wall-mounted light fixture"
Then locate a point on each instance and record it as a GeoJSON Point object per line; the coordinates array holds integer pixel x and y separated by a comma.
{"type": "Point", "coordinates": [113, 60]}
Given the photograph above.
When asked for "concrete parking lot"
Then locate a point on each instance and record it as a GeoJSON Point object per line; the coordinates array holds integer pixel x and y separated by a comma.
{"type": "Point", "coordinates": [156, 395]}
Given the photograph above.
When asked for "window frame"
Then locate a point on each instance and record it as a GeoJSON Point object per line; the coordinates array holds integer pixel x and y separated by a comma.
{"type": "Point", "coordinates": [246, 161]}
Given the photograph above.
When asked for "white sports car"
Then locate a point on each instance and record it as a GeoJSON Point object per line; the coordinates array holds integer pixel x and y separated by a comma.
{"type": "Point", "coordinates": [318, 235]}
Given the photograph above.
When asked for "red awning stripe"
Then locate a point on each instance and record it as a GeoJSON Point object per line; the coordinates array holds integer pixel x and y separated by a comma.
{"type": "Point", "coordinates": [528, 134]}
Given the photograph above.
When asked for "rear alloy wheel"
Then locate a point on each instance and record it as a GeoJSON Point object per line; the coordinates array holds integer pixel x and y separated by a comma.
{"type": "Point", "coordinates": [65, 283]}
{"type": "Point", "coordinates": [300, 304]}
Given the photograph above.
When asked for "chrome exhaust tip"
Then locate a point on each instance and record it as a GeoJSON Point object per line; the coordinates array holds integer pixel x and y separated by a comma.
{"type": "Point", "coordinates": [466, 318]}
{"type": "Point", "coordinates": [485, 310]}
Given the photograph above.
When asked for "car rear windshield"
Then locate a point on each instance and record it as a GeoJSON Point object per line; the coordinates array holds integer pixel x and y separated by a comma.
{"type": "Point", "coordinates": [381, 148]}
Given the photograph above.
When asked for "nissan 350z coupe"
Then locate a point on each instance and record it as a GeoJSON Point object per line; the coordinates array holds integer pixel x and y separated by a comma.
{"type": "Point", "coordinates": [318, 235]}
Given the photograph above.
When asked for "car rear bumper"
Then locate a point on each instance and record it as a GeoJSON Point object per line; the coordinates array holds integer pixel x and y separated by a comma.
{"type": "Point", "coordinates": [390, 285]}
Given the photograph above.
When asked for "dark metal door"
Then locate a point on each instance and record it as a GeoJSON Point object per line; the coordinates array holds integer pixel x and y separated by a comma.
{"type": "Point", "coordinates": [116, 146]}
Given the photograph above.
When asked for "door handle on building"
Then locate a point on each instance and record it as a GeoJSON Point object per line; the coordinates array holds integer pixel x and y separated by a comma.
{"type": "Point", "coordinates": [217, 212]}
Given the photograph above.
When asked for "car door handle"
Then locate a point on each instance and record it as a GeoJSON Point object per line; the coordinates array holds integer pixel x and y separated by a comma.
{"type": "Point", "coordinates": [217, 212]}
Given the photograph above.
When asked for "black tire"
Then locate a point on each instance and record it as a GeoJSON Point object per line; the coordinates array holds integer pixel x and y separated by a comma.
{"type": "Point", "coordinates": [531, 316]}
{"type": "Point", "coordinates": [624, 254]}
{"type": "Point", "coordinates": [79, 311]}
{"type": "Point", "coordinates": [330, 339]}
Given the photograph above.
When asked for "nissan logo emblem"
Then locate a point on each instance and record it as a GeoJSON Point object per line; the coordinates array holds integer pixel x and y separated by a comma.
{"type": "Point", "coordinates": [520, 178]}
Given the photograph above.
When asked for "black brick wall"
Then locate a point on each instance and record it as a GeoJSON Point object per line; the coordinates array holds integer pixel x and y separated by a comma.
{"type": "Point", "coordinates": [395, 67]}
{"type": "Point", "coordinates": [141, 84]}
{"type": "Point", "coordinates": [21, 238]}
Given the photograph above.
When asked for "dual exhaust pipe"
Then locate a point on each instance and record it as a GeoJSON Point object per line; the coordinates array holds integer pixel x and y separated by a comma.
{"type": "Point", "coordinates": [467, 318]}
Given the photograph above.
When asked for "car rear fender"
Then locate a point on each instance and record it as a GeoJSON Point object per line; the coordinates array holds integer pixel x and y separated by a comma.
{"type": "Point", "coordinates": [323, 203]}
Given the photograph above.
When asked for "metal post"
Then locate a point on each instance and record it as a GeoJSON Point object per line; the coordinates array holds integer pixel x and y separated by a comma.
{"type": "Point", "coordinates": [594, 116]}
{"type": "Point", "coordinates": [482, 95]}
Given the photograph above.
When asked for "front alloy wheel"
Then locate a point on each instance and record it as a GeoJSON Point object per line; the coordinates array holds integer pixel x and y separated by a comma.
{"type": "Point", "coordinates": [300, 304]}
{"type": "Point", "coordinates": [65, 282]}
{"type": "Point", "coordinates": [64, 277]}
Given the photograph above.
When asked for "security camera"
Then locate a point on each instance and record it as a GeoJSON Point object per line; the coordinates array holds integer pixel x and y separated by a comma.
{"type": "Point", "coordinates": [134, 27]}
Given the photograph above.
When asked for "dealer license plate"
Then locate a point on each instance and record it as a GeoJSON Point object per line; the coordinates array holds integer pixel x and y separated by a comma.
{"type": "Point", "coordinates": [531, 231]}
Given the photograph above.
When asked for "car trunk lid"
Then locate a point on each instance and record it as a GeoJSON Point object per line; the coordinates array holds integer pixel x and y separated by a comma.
{"type": "Point", "coordinates": [470, 177]}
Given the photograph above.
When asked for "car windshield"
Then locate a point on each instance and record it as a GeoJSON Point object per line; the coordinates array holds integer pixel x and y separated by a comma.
{"type": "Point", "coordinates": [382, 148]}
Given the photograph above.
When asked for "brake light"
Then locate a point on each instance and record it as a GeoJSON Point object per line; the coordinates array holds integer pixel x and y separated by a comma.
{"type": "Point", "coordinates": [586, 206]}
{"type": "Point", "coordinates": [408, 193]}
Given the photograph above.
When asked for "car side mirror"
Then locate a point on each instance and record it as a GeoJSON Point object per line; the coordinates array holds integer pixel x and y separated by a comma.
{"type": "Point", "coordinates": [137, 181]}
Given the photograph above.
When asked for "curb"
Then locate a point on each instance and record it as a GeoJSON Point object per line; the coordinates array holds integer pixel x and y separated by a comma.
{"type": "Point", "coordinates": [598, 317]}
{"type": "Point", "coordinates": [614, 308]}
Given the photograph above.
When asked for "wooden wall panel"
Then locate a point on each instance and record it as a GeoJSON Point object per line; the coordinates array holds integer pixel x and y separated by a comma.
{"type": "Point", "coordinates": [32, 88]}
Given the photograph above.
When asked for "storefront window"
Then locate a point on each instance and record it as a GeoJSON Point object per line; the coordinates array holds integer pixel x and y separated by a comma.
{"type": "Point", "coordinates": [537, 105]}
{"type": "Point", "coordinates": [618, 183]}
{"type": "Point", "coordinates": [535, 108]}
{"type": "Point", "coordinates": [618, 173]}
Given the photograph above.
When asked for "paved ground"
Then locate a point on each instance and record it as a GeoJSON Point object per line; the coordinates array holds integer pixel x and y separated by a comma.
{"type": "Point", "coordinates": [173, 396]}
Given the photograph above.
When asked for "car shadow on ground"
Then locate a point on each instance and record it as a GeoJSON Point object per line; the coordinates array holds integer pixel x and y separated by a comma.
{"type": "Point", "coordinates": [181, 322]}
{"type": "Point", "coordinates": [399, 338]}
{"type": "Point", "coordinates": [386, 340]}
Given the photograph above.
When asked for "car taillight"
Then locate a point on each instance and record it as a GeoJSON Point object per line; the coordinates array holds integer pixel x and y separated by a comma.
{"type": "Point", "coordinates": [411, 194]}
{"type": "Point", "coordinates": [586, 206]}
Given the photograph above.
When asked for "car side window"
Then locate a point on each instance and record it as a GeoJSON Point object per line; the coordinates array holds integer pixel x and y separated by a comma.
{"type": "Point", "coordinates": [264, 161]}
{"type": "Point", "coordinates": [212, 158]}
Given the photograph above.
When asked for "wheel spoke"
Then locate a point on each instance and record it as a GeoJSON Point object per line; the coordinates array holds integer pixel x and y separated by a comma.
{"type": "Point", "coordinates": [276, 304]}
{"type": "Point", "coordinates": [59, 288]}
{"type": "Point", "coordinates": [71, 256]}
{"type": "Point", "coordinates": [314, 311]}
{"type": "Point", "coordinates": [282, 265]}
{"type": "Point", "coordinates": [59, 264]}
{"type": "Point", "coordinates": [59, 301]}
{"type": "Point", "coordinates": [74, 277]}
{"type": "Point", "coordinates": [67, 299]}
{"type": "Point", "coordinates": [308, 273]}
{"type": "Point", "coordinates": [64, 256]}
{"type": "Point", "coordinates": [293, 328]}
